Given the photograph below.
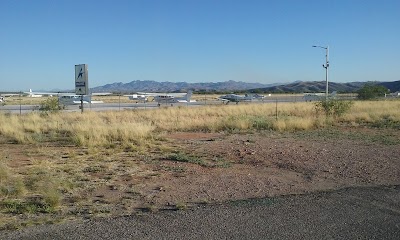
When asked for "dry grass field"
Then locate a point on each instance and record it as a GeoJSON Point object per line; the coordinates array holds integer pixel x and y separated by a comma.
{"type": "Point", "coordinates": [63, 166]}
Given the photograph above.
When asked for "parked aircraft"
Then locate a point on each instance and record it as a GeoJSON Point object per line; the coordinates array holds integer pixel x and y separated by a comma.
{"type": "Point", "coordinates": [170, 97]}
{"type": "Point", "coordinates": [308, 97]}
{"type": "Point", "coordinates": [137, 97]}
{"type": "Point", "coordinates": [73, 99]}
{"type": "Point", "coordinates": [32, 94]}
{"type": "Point", "coordinates": [258, 96]}
{"type": "Point", "coordinates": [50, 94]}
{"type": "Point", "coordinates": [68, 98]}
{"type": "Point", "coordinates": [43, 94]}
{"type": "Point", "coordinates": [236, 98]}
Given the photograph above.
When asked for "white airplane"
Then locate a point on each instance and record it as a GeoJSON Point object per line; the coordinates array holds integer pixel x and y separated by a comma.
{"type": "Point", "coordinates": [236, 98]}
{"type": "Point", "coordinates": [32, 94]}
{"type": "Point", "coordinates": [68, 98]}
{"type": "Point", "coordinates": [137, 97]}
{"type": "Point", "coordinates": [308, 97]}
{"type": "Point", "coordinates": [73, 99]}
{"type": "Point", "coordinates": [42, 94]}
{"type": "Point", "coordinates": [171, 97]}
{"type": "Point", "coordinates": [50, 94]}
{"type": "Point", "coordinates": [101, 94]}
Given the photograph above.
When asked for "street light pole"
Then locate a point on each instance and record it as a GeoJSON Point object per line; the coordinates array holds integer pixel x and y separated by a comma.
{"type": "Point", "coordinates": [326, 66]}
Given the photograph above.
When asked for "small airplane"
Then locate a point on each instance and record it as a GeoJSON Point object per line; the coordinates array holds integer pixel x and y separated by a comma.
{"type": "Point", "coordinates": [308, 97]}
{"type": "Point", "coordinates": [32, 94]}
{"type": "Point", "coordinates": [73, 99]}
{"type": "Point", "coordinates": [50, 94]}
{"type": "Point", "coordinates": [137, 97]}
{"type": "Point", "coordinates": [258, 96]}
{"type": "Point", "coordinates": [68, 98]}
{"type": "Point", "coordinates": [174, 98]}
{"type": "Point", "coordinates": [236, 98]}
{"type": "Point", "coordinates": [170, 97]}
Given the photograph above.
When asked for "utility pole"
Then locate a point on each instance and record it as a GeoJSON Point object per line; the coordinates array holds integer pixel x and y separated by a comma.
{"type": "Point", "coordinates": [326, 66]}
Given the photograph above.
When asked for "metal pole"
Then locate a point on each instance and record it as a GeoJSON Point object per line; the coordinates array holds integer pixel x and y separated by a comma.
{"type": "Point", "coordinates": [326, 72]}
{"type": "Point", "coordinates": [81, 103]}
{"type": "Point", "coordinates": [20, 107]}
{"type": "Point", "coordinates": [326, 66]}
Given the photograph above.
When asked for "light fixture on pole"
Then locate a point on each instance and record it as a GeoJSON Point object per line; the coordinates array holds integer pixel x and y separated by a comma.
{"type": "Point", "coordinates": [326, 66]}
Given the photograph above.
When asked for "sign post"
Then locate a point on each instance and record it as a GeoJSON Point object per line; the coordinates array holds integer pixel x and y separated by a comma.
{"type": "Point", "coordinates": [81, 81]}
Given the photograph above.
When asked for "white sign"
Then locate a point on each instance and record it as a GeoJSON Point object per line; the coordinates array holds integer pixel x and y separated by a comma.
{"type": "Point", "coordinates": [81, 79]}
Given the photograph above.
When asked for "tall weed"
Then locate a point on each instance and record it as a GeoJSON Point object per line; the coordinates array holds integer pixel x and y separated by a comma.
{"type": "Point", "coordinates": [127, 127]}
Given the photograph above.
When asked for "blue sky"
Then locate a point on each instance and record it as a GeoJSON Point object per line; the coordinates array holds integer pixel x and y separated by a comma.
{"type": "Point", "coordinates": [196, 41]}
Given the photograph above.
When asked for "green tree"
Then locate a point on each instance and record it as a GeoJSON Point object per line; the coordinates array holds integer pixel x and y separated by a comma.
{"type": "Point", "coordinates": [371, 92]}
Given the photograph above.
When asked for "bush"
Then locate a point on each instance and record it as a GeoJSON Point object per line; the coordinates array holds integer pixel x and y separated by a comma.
{"type": "Point", "coordinates": [50, 105]}
{"type": "Point", "coordinates": [333, 107]}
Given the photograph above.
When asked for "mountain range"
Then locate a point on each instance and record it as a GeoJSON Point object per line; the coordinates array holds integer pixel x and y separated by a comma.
{"type": "Point", "coordinates": [312, 87]}
{"type": "Point", "coordinates": [153, 86]}
{"type": "Point", "coordinates": [238, 86]}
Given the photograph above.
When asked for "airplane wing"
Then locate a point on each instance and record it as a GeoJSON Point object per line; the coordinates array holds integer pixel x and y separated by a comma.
{"type": "Point", "coordinates": [64, 93]}
{"type": "Point", "coordinates": [162, 94]}
{"type": "Point", "coordinates": [49, 93]}
{"type": "Point", "coordinates": [101, 94]}
{"type": "Point", "coordinates": [148, 94]}
{"type": "Point", "coordinates": [185, 101]}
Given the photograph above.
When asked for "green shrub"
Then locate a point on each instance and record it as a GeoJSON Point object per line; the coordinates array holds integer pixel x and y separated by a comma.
{"type": "Point", "coordinates": [17, 206]}
{"type": "Point", "coordinates": [333, 107]}
{"type": "Point", "coordinates": [260, 122]}
{"type": "Point", "coordinates": [50, 105]}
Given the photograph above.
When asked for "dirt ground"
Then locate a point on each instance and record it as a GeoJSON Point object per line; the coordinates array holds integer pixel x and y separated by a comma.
{"type": "Point", "coordinates": [221, 167]}
{"type": "Point", "coordinates": [270, 164]}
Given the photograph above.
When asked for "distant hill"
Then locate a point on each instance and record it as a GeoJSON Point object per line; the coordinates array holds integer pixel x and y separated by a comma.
{"type": "Point", "coordinates": [313, 87]}
{"type": "Point", "coordinates": [392, 86]}
{"type": "Point", "coordinates": [301, 87]}
{"type": "Point", "coordinates": [153, 86]}
{"type": "Point", "coordinates": [238, 86]}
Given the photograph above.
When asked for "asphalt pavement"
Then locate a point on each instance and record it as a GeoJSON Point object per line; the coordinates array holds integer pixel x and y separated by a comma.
{"type": "Point", "coordinates": [352, 213]}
